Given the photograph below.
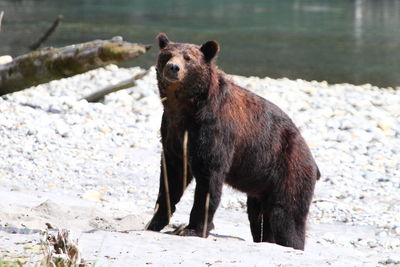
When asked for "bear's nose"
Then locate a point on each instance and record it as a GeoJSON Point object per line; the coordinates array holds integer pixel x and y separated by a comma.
{"type": "Point", "coordinates": [173, 68]}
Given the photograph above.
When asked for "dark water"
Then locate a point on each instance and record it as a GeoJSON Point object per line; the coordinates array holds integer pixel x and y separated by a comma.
{"type": "Point", "coordinates": [355, 41]}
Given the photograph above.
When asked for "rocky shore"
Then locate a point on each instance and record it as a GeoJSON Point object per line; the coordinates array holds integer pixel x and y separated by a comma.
{"type": "Point", "coordinates": [93, 168]}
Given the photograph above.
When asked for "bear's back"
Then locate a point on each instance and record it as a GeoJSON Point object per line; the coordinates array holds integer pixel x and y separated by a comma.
{"type": "Point", "coordinates": [266, 141]}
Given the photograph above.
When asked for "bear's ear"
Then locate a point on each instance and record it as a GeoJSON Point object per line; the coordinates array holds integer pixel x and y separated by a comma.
{"type": "Point", "coordinates": [210, 49]}
{"type": "Point", "coordinates": [162, 40]}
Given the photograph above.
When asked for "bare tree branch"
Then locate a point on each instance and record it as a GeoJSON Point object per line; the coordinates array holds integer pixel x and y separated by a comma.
{"type": "Point", "coordinates": [99, 95]}
{"type": "Point", "coordinates": [1, 17]}
{"type": "Point", "coordinates": [47, 34]}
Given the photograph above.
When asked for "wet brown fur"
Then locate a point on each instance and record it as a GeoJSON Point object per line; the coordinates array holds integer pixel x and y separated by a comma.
{"type": "Point", "coordinates": [235, 137]}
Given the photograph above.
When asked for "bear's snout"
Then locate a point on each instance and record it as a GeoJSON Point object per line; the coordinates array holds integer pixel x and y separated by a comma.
{"type": "Point", "coordinates": [173, 68]}
{"type": "Point", "coordinates": [172, 71]}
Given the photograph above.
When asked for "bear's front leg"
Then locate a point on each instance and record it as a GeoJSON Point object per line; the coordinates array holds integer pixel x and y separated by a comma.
{"type": "Point", "coordinates": [175, 190]}
{"type": "Point", "coordinates": [172, 171]}
{"type": "Point", "coordinates": [206, 200]}
{"type": "Point", "coordinates": [210, 162]}
{"type": "Point", "coordinates": [176, 184]}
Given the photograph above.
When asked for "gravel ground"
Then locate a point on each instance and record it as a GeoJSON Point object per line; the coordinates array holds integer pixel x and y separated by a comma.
{"type": "Point", "coordinates": [53, 143]}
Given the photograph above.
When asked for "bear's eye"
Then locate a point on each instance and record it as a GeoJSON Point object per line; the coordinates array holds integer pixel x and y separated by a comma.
{"type": "Point", "coordinates": [186, 57]}
{"type": "Point", "coordinates": [165, 56]}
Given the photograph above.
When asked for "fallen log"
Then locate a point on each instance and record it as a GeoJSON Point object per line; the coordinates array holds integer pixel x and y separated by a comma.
{"type": "Point", "coordinates": [5, 59]}
{"type": "Point", "coordinates": [99, 95]}
{"type": "Point", "coordinates": [55, 63]}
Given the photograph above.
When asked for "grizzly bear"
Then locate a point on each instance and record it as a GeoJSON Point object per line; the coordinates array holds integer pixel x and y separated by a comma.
{"type": "Point", "coordinates": [218, 132]}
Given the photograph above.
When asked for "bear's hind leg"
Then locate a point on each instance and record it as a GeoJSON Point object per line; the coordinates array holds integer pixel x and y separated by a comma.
{"type": "Point", "coordinates": [287, 230]}
{"type": "Point", "coordinates": [254, 215]}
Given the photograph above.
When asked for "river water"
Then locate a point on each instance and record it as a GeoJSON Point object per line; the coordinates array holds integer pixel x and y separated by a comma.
{"type": "Point", "coordinates": [355, 41]}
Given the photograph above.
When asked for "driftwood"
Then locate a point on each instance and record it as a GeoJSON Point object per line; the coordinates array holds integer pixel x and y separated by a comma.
{"type": "Point", "coordinates": [55, 63]}
{"type": "Point", "coordinates": [99, 95]}
{"type": "Point", "coordinates": [5, 59]}
{"type": "Point", "coordinates": [47, 34]}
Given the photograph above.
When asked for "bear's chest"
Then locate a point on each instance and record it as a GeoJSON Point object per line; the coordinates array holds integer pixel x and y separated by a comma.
{"type": "Point", "coordinates": [177, 109]}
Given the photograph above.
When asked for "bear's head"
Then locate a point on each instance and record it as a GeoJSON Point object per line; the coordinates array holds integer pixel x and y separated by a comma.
{"type": "Point", "coordinates": [184, 68]}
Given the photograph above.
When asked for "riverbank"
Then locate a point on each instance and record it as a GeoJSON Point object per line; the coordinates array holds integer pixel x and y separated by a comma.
{"type": "Point", "coordinates": [94, 168]}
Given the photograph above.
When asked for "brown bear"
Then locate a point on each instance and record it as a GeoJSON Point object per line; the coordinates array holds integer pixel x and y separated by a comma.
{"type": "Point", "coordinates": [232, 136]}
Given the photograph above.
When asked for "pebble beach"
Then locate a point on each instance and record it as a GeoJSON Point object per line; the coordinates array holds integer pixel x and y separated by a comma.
{"type": "Point", "coordinates": [93, 168]}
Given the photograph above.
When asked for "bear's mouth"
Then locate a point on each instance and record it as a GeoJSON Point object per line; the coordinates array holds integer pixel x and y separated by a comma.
{"type": "Point", "coordinates": [172, 78]}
